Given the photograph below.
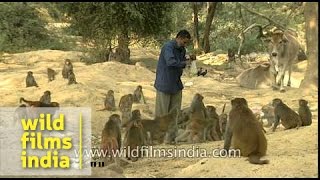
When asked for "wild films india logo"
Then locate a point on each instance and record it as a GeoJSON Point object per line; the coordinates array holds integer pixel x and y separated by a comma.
{"type": "Point", "coordinates": [45, 141]}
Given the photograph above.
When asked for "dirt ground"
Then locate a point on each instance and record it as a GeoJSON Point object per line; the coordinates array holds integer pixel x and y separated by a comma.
{"type": "Point", "coordinates": [292, 153]}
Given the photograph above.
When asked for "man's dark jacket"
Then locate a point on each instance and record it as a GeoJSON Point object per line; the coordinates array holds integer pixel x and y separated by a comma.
{"type": "Point", "coordinates": [170, 66]}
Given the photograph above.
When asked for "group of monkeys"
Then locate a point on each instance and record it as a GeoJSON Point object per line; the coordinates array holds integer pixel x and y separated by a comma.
{"type": "Point", "coordinates": [45, 99]}
{"type": "Point", "coordinates": [67, 73]}
{"type": "Point", "coordinates": [199, 123]}
{"type": "Point", "coordinates": [195, 124]}
{"type": "Point", "coordinates": [247, 133]}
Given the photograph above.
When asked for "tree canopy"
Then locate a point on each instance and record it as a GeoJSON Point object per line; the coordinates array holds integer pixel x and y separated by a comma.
{"type": "Point", "coordinates": [101, 22]}
{"type": "Point", "coordinates": [21, 27]}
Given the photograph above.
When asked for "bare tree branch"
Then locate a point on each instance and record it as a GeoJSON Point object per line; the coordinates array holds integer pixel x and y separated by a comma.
{"type": "Point", "coordinates": [242, 37]}
{"type": "Point", "coordinates": [264, 16]}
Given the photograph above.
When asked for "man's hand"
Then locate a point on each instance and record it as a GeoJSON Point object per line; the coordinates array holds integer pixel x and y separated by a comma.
{"type": "Point", "coordinates": [188, 57]}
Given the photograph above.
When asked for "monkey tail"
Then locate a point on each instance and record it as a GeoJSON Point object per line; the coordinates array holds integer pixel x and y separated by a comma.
{"type": "Point", "coordinates": [255, 159]}
{"type": "Point", "coordinates": [264, 130]}
{"type": "Point", "coordinates": [22, 100]}
{"type": "Point", "coordinates": [224, 106]}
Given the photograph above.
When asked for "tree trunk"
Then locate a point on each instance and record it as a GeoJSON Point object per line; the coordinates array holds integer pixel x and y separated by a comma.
{"type": "Point", "coordinates": [123, 52]}
{"type": "Point", "coordinates": [310, 80]}
{"type": "Point", "coordinates": [109, 50]}
{"type": "Point", "coordinates": [195, 26]}
{"type": "Point", "coordinates": [211, 11]}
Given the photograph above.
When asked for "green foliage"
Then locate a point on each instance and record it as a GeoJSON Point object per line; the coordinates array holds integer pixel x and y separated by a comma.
{"type": "Point", "coordinates": [252, 44]}
{"type": "Point", "coordinates": [230, 20]}
{"type": "Point", "coordinates": [48, 11]}
{"type": "Point", "coordinates": [99, 23]}
{"type": "Point", "coordinates": [182, 17]}
{"type": "Point", "coordinates": [281, 13]}
{"type": "Point", "coordinates": [21, 29]}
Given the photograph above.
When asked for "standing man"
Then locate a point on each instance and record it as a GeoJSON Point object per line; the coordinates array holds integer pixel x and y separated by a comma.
{"type": "Point", "coordinates": [172, 61]}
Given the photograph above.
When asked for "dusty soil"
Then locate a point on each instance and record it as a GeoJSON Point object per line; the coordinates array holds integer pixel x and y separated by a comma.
{"type": "Point", "coordinates": [292, 153]}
